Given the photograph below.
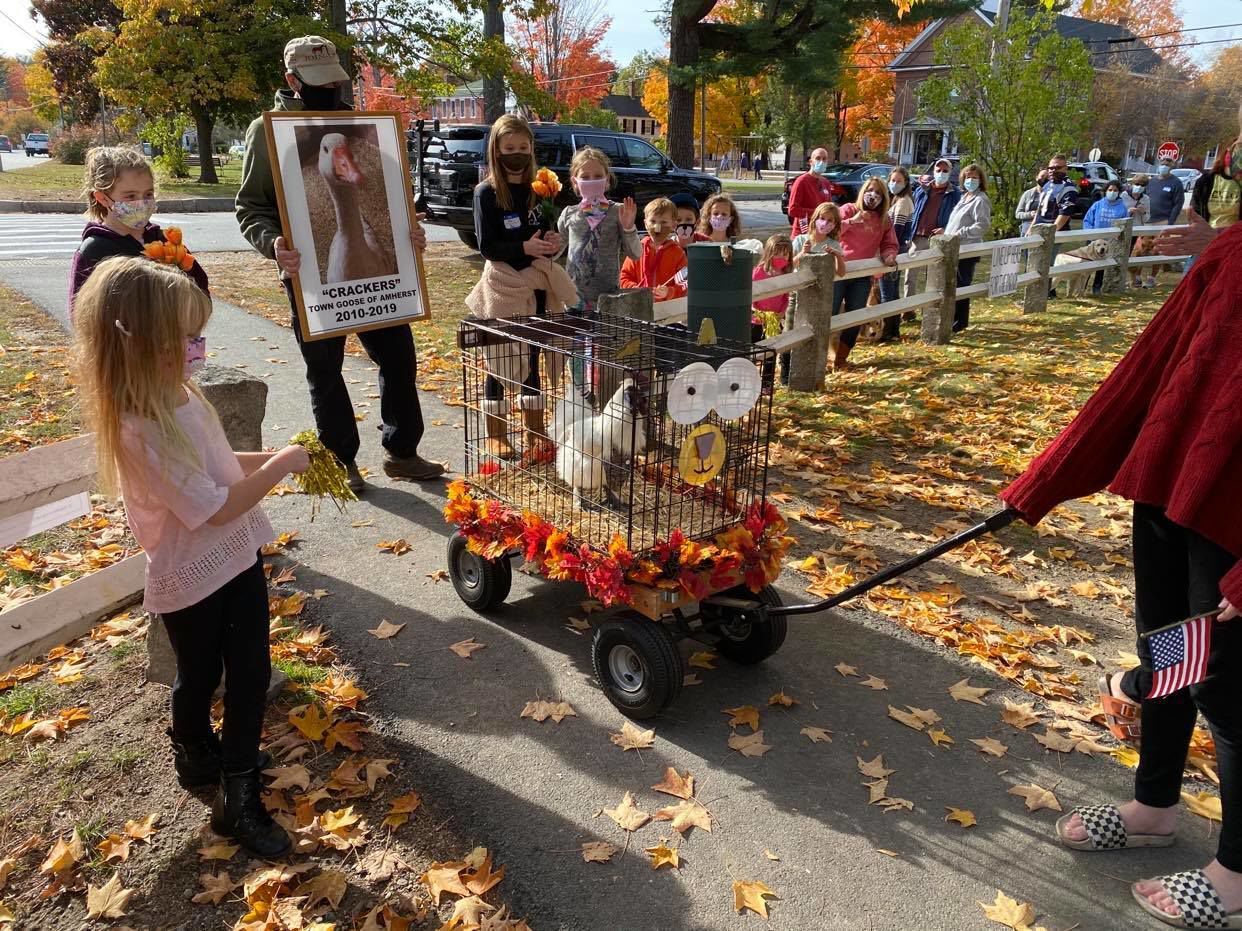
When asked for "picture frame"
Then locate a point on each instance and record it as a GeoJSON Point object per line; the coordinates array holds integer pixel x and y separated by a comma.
{"type": "Point", "coordinates": [342, 183]}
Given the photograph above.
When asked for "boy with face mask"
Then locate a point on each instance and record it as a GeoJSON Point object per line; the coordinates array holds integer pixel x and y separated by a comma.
{"type": "Point", "coordinates": [315, 77]}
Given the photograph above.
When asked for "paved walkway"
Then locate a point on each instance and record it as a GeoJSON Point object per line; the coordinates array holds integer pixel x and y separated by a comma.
{"type": "Point", "coordinates": [533, 792]}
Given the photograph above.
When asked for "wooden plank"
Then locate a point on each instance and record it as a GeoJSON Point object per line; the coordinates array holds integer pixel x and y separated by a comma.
{"type": "Point", "coordinates": [1111, 232]}
{"type": "Point", "coordinates": [33, 627]}
{"type": "Point", "coordinates": [671, 311]}
{"type": "Point", "coordinates": [974, 290]}
{"type": "Point", "coordinates": [781, 284]}
{"type": "Point", "coordinates": [1157, 259]}
{"type": "Point", "coordinates": [1060, 271]}
{"type": "Point", "coordinates": [880, 311]}
{"type": "Point", "coordinates": [44, 517]}
{"type": "Point", "coordinates": [985, 248]}
{"type": "Point", "coordinates": [788, 339]}
{"type": "Point", "coordinates": [862, 268]}
{"type": "Point", "coordinates": [46, 474]}
{"type": "Point", "coordinates": [1155, 229]}
{"type": "Point", "coordinates": [920, 259]}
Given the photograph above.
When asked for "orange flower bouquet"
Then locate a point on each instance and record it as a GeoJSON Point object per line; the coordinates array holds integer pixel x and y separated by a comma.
{"type": "Point", "coordinates": [546, 186]}
{"type": "Point", "coordinates": [171, 251]}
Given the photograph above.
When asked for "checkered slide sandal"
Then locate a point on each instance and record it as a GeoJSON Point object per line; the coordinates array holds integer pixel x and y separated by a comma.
{"type": "Point", "coordinates": [1195, 898]}
{"type": "Point", "coordinates": [1106, 831]}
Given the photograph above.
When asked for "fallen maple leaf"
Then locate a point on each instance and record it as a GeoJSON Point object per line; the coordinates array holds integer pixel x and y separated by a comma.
{"type": "Point", "coordinates": [396, 547]}
{"type": "Point", "coordinates": [749, 745]}
{"type": "Point", "coordinates": [598, 851]}
{"type": "Point", "coordinates": [114, 847]}
{"type": "Point", "coordinates": [310, 721]}
{"type": "Point", "coordinates": [990, 746]}
{"type": "Point", "coordinates": [663, 855]}
{"type": "Point", "coordinates": [464, 648]}
{"type": "Point", "coordinates": [703, 659]}
{"type": "Point", "coordinates": [402, 807]}
{"type": "Point", "coordinates": [877, 790]}
{"type": "Point", "coordinates": [64, 855]}
{"type": "Point", "coordinates": [846, 669]}
{"type": "Point", "coordinates": [386, 630]}
{"type": "Point", "coordinates": [906, 718]}
{"type": "Point", "coordinates": [377, 770]}
{"type": "Point", "coordinates": [469, 911]}
{"type": "Point", "coordinates": [876, 683]}
{"type": "Point", "coordinates": [540, 711]}
{"type": "Point", "coordinates": [743, 714]}
{"type": "Point", "coordinates": [346, 734]}
{"type": "Point", "coordinates": [939, 737]}
{"type": "Point", "coordinates": [1009, 912]}
{"type": "Point", "coordinates": [780, 698]}
{"type": "Point", "coordinates": [142, 830]}
{"type": "Point", "coordinates": [108, 900]}
{"type": "Point", "coordinates": [329, 886]}
{"type": "Point", "coordinates": [444, 877]}
{"type": "Point", "coordinates": [817, 734]}
{"type": "Point", "coordinates": [676, 785]}
{"type": "Point", "coordinates": [631, 738]}
{"type": "Point", "coordinates": [1036, 797]}
{"type": "Point", "coordinates": [627, 815]}
{"type": "Point", "coordinates": [483, 877]}
{"type": "Point", "coordinates": [962, 816]}
{"type": "Point", "coordinates": [964, 691]}
{"type": "Point", "coordinates": [215, 887]}
{"type": "Point", "coordinates": [289, 777]}
{"type": "Point", "coordinates": [686, 815]}
{"type": "Point", "coordinates": [1203, 804]}
{"type": "Point", "coordinates": [1053, 741]}
{"type": "Point", "coordinates": [1019, 715]}
{"type": "Point", "coordinates": [218, 851]}
{"type": "Point", "coordinates": [874, 768]}
{"type": "Point", "coordinates": [1126, 756]}
{"type": "Point", "coordinates": [749, 894]}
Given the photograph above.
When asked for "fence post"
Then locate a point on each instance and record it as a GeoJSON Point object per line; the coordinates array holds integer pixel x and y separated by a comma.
{"type": "Point", "coordinates": [808, 361]}
{"type": "Point", "coordinates": [1118, 279]}
{"type": "Point", "coordinates": [942, 277]}
{"type": "Point", "coordinates": [1035, 300]}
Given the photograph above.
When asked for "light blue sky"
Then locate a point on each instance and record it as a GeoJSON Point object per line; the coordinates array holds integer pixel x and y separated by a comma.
{"type": "Point", "coordinates": [634, 30]}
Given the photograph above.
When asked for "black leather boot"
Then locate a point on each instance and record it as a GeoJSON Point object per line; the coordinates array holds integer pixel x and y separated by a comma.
{"type": "Point", "coordinates": [197, 761]}
{"type": "Point", "coordinates": [238, 813]}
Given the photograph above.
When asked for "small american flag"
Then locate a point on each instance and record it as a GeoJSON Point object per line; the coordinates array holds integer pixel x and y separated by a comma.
{"type": "Point", "coordinates": [682, 276]}
{"type": "Point", "coordinates": [1179, 655]}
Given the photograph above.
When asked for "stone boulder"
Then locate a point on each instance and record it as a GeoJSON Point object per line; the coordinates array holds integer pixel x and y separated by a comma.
{"type": "Point", "coordinates": [240, 400]}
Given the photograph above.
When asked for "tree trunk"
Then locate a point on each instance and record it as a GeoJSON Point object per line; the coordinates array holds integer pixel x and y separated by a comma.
{"type": "Point", "coordinates": [340, 25]}
{"type": "Point", "coordinates": [683, 52]}
{"type": "Point", "coordinates": [205, 123]}
{"type": "Point", "coordinates": [493, 84]}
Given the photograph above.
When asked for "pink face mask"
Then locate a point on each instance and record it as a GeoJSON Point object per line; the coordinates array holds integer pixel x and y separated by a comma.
{"type": "Point", "coordinates": [592, 189]}
{"type": "Point", "coordinates": [720, 224]}
{"type": "Point", "coordinates": [779, 262]}
{"type": "Point", "coordinates": [823, 227]}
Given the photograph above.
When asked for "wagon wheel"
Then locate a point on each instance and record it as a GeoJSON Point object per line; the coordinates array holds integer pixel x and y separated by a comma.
{"type": "Point", "coordinates": [744, 636]}
{"type": "Point", "coordinates": [483, 584]}
{"type": "Point", "coordinates": [637, 665]}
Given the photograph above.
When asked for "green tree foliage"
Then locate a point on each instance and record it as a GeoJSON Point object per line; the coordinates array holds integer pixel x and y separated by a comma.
{"type": "Point", "coordinates": [210, 59]}
{"type": "Point", "coordinates": [75, 33]}
{"type": "Point", "coordinates": [591, 115]}
{"type": "Point", "coordinates": [1011, 99]}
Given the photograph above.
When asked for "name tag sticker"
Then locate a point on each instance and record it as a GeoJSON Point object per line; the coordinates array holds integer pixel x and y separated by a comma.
{"type": "Point", "coordinates": [512, 221]}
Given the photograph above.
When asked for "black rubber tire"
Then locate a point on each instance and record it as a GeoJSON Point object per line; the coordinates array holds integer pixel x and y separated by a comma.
{"type": "Point", "coordinates": [469, 239]}
{"type": "Point", "coordinates": [483, 584]}
{"type": "Point", "coordinates": [655, 651]}
{"type": "Point", "coordinates": [763, 639]}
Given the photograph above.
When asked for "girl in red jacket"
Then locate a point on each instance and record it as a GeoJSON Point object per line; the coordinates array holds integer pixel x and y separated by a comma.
{"type": "Point", "coordinates": [866, 233]}
{"type": "Point", "coordinates": [1165, 430]}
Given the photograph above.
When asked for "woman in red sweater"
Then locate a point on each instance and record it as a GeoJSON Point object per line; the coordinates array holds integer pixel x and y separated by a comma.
{"type": "Point", "coordinates": [1165, 430]}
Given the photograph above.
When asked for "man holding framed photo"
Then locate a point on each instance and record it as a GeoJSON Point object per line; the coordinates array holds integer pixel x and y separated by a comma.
{"type": "Point", "coordinates": [314, 77]}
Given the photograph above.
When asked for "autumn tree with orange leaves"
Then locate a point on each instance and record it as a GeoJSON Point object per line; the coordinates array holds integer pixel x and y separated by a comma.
{"type": "Point", "coordinates": [559, 47]}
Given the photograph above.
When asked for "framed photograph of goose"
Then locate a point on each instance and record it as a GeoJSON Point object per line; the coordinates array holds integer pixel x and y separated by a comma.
{"type": "Point", "coordinates": [343, 186]}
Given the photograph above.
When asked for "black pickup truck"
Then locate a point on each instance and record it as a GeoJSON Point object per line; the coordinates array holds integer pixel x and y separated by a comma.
{"type": "Point", "coordinates": [453, 159]}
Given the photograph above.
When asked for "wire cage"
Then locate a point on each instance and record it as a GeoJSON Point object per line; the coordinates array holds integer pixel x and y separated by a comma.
{"type": "Point", "coordinates": [626, 427]}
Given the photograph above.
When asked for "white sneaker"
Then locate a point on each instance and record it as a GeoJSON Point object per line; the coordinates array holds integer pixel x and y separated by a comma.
{"type": "Point", "coordinates": [1149, 282]}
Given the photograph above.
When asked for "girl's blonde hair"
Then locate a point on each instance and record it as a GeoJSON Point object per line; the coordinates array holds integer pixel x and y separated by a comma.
{"type": "Point", "coordinates": [104, 166]}
{"type": "Point", "coordinates": [497, 176]}
{"type": "Point", "coordinates": [776, 243]}
{"type": "Point", "coordinates": [705, 214]}
{"type": "Point", "coordinates": [874, 184]}
{"type": "Point", "coordinates": [132, 318]}
{"type": "Point", "coordinates": [588, 153]}
{"type": "Point", "coordinates": [826, 211]}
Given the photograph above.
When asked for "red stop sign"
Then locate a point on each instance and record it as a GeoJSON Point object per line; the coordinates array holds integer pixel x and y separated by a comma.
{"type": "Point", "coordinates": [1169, 150]}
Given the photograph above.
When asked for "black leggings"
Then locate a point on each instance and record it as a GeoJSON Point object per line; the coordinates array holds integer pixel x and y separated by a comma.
{"type": "Point", "coordinates": [225, 632]}
{"type": "Point", "coordinates": [1177, 575]}
{"type": "Point", "coordinates": [853, 293]}
{"type": "Point", "coordinates": [494, 388]}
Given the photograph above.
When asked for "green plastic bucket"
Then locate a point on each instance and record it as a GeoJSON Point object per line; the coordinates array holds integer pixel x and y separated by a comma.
{"type": "Point", "coordinates": [720, 290]}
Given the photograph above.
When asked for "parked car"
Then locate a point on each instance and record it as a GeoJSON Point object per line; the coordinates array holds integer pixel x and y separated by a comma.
{"type": "Point", "coordinates": [5, 144]}
{"type": "Point", "coordinates": [237, 150]}
{"type": "Point", "coordinates": [923, 173]}
{"type": "Point", "coordinates": [1092, 178]}
{"type": "Point", "coordinates": [36, 144]}
{"type": "Point", "coordinates": [454, 162]}
{"type": "Point", "coordinates": [1189, 177]}
{"type": "Point", "coordinates": [845, 180]}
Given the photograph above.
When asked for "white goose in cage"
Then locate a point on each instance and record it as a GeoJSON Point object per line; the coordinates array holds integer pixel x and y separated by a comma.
{"type": "Point", "coordinates": [590, 445]}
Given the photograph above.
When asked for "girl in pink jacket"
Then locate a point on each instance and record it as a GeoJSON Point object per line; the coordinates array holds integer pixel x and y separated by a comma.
{"type": "Point", "coordinates": [866, 233]}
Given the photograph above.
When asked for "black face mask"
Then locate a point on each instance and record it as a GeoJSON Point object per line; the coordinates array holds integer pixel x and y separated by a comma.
{"type": "Point", "coordinates": [515, 161]}
{"type": "Point", "coordinates": [321, 98]}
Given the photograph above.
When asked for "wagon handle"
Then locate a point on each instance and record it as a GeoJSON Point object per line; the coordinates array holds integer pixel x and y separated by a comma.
{"type": "Point", "coordinates": [1002, 518]}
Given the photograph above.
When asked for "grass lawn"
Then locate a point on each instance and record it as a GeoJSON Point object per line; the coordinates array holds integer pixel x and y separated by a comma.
{"type": "Point", "coordinates": [56, 181]}
{"type": "Point", "coordinates": [738, 186]}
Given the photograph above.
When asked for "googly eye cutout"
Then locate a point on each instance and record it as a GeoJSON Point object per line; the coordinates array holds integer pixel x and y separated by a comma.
{"type": "Point", "coordinates": [693, 393]}
{"type": "Point", "coordinates": [737, 388]}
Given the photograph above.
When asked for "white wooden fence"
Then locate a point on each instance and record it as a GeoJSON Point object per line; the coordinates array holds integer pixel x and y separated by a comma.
{"type": "Point", "coordinates": [812, 324]}
{"type": "Point", "coordinates": [43, 488]}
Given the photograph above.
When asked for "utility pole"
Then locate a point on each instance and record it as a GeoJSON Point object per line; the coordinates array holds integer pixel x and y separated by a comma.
{"type": "Point", "coordinates": [1002, 26]}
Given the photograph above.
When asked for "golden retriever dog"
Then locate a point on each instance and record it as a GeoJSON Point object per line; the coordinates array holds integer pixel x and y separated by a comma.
{"type": "Point", "coordinates": [1093, 251]}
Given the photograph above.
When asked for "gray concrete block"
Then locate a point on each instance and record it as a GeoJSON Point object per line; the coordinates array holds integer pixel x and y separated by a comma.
{"type": "Point", "coordinates": [241, 402]}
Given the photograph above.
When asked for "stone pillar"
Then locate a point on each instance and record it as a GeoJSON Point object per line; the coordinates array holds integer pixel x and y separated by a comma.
{"type": "Point", "coordinates": [635, 303]}
{"type": "Point", "coordinates": [1039, 259]}
{"type": "Point", "coordinates": [942, 277]}
{"type": "Point", "coordinates": [241, 402]}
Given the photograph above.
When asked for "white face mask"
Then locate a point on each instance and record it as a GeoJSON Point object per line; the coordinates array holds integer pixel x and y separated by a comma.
{"type": "Point", "coordinates": [940, 177]}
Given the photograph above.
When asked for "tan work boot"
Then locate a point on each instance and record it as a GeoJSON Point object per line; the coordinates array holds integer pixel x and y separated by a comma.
{"type": "Point", "coordinates": [539, 447]}
{"type": "Point", "coordinates": [497, 442]}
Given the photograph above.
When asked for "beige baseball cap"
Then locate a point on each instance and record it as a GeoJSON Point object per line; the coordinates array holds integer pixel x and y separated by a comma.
{"type": "Point", "coordinates": [313, 59]}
